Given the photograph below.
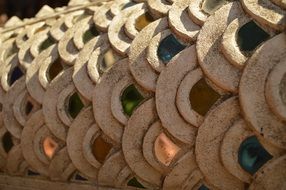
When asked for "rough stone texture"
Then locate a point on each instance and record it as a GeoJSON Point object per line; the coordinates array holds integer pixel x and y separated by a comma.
{"type": "Point", "coordinates": [95, 53]}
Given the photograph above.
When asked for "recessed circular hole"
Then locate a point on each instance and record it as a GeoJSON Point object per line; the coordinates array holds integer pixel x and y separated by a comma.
{"type": "Point", "coordinates": [168, 48]}
{"type": "Point", "coordinates": [55, 68]}
{"type": "Point", "coordinates": [203, 97]}
{"type": "Point", "coordinates": [210, 6]}
{"type": "Point", "coordinates": [101, 149]}
{"type": "Point", "coordinates": [250, 36]}
{"type": "Point", "coordinates": [7, 142]}
{"type": "Point", "coordinates": [133, 182]}
{"type": "Point", "coordinates": [109, 58]}
{"type": "Point", "coordinates": [165, 149]}
{"type": "Point", "coordinates": [28, 108]}
{"type": "Point", "coordinates": [143, 20]}
{"type": "Point", "coordinates": [252, 155]}
{"type": "Point", "coordinates": [79, 177]}
{"type": "Point", "coordinates": [89, 34]}
{"type": "Point", "coordinates": [50, 146]}
{"type": "Point", "coordinates": [25, 37]}
{"type": "Point", "coordinates": [47, 43]}
{"type": "Point", "coordinates": [75, 105]}
{"type": "Point", "coordinates": [31, 173]}
{"type": "Point", "coordinates": [14, 75]}
{"type": "Point", "coordinates": [130, 99]}
{"type": "Point", "coordinates": [203, 187]}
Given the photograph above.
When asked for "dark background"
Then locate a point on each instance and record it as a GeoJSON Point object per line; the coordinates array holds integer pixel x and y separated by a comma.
{"type": "Point", "coordinates": [25, 8]}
